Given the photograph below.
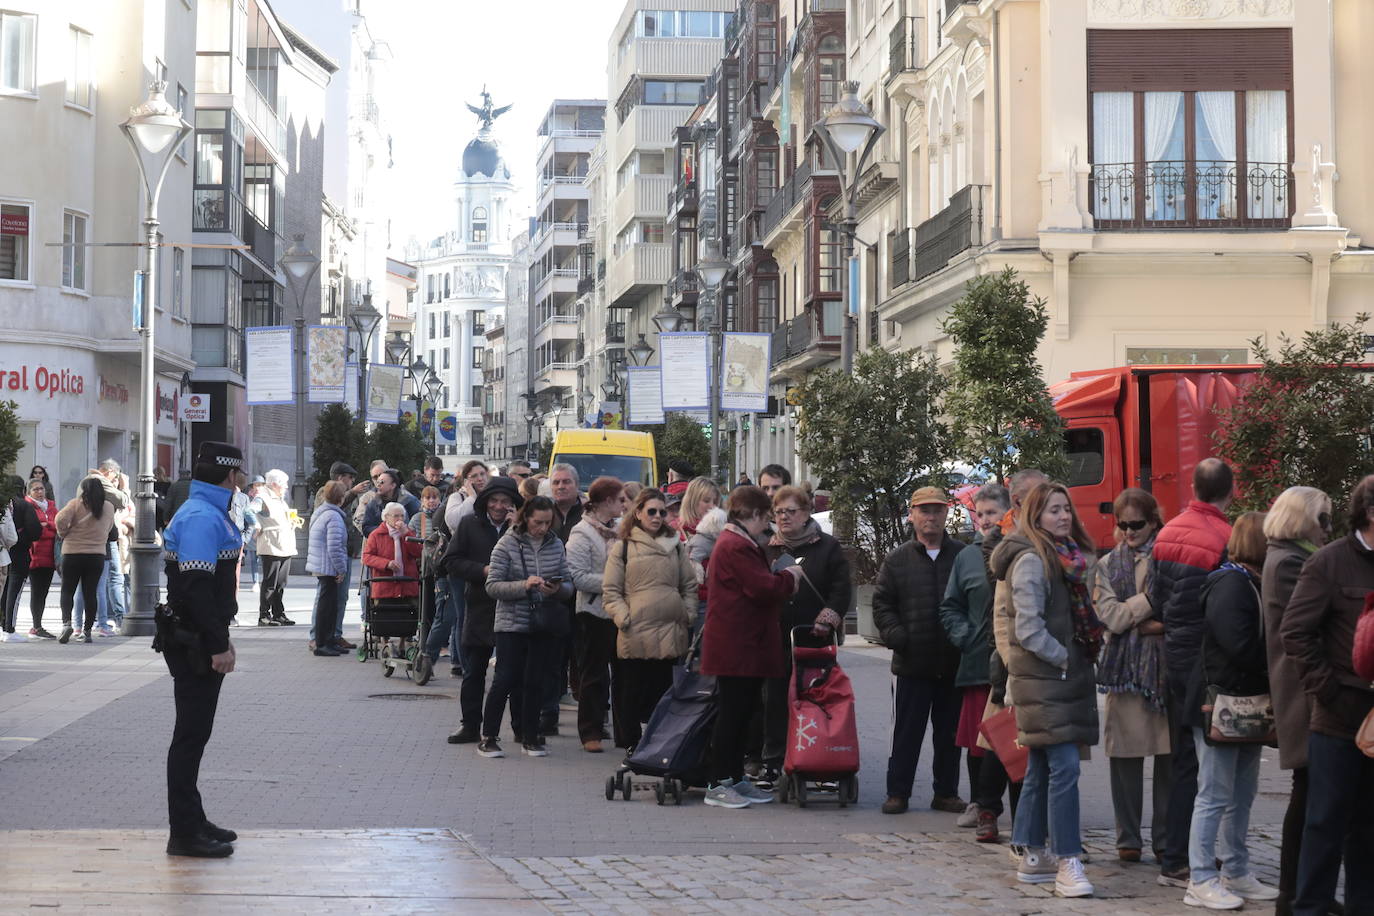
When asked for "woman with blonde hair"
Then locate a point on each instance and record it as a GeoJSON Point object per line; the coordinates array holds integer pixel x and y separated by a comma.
{"type": "Point", "coordinates": [1298, 524]}
{"type": "Point", "coordinates": [1054, 638]}
{"type": "Point", "coordinates": [702, 495]}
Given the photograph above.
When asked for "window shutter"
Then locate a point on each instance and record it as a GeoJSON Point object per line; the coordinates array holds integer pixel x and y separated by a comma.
{"type": "Point", "coordinates": [1181, 60]}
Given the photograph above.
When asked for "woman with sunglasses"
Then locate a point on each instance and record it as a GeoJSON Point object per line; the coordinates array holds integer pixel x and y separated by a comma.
{"type": "Point", "coordinates": [650, 592]}
{"type": "Point", "coordinates": [1297, 526]}
{"type": "Point", "coordinates": [1131, 674]}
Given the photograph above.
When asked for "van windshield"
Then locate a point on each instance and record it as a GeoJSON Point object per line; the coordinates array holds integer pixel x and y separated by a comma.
{"type": "Point", "coordinates": [622, 467]}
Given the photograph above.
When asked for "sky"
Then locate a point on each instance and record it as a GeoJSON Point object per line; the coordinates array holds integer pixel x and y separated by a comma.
{"type": "Point", "coordinates": [527, 52]}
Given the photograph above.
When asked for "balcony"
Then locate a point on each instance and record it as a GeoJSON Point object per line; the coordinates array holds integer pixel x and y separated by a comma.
{"type": "Point", "coordinates": [637, 271]}
{"type": "Point", "coordinates": [1197, 194]}
{"type": "Point", "coordinates": [899, 245]}
{"type": "Point", "coordinates": [652, 126]}
{"type": "Point", "coordinates": [261, 242]}
{"type": "Point", "coordinates": [265, 121]}
{"type": "Point", "coordinates": [615, 332]}
{"type": "Point", "coordinates": [555, 377]}
{"type": "Point", "coordinates": [682, 198]}
{"type": "Point", "coordinates": [784, 212]}
{"type": "Point", "coordinates": [585, 285]}
{"type": "Point", "coordinates": [644, 197]}
{"type": "Point", "coordinates": [683, 287]}
{"type": "Point", "coordinates": [958, 15]}
{"type": "Point", "coordinates": [904, 48]}
{"type": "Point", "coordinates": [955, 229]}
{"type": "Point", "coordinates": [564, 235]}
{"type": "Point", "coordinates": [555, 328]}
{"type": "Point", "coordinates": [810, 339]}
{"type": "Point", "coordinates": [571, 187]}
{"type": "Point", "coordinates": [558, 280]}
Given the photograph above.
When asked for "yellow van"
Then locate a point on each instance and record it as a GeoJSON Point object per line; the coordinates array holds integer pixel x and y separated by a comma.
{"type": "Point", "coordinates": [607, 453]}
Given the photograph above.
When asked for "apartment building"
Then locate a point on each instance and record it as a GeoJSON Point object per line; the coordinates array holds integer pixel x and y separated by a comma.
{"type": "Point", "coordinates": [661, 54]}
{"type": "Point", "coordinates": [569, 131]}
{"type": "Point", "coordinates": [462, 275]}
{"type": "Point", "coordinates": [1175, 179]}
{"type": "Point", "coordinates": [71, 205]}
{"type": "Point", "coordinates": [508, 348]}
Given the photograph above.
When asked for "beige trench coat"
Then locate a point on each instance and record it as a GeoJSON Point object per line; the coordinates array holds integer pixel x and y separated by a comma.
{"type": "Point", "coordinates": [1131, 727]}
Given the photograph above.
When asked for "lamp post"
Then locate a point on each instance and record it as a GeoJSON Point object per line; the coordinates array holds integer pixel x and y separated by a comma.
{"type": "Point", "coordinates": [712, 268]}
{"type": "Point", "coordinates": [154, 131]}
{"type": "Point", "coordinates": [641, 352]}
{"type": "Point", "coordinates": [531, 417]}
{"type": "Point", "coordinates": [300, 265]}
{"type": "Point", "coordinates": [433, 386]}
{"type": "Point", "coordinates": [849, 127]}
{"type": "Point", "coordinates": [365, 320]}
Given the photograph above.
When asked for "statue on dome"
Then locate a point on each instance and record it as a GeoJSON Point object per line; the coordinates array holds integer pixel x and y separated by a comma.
{"type": "Point", "coordinates": [487, 114]}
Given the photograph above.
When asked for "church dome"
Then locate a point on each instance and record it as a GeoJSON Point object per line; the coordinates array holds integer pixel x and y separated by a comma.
{"type": "Point", "coordinates": [483, 157]}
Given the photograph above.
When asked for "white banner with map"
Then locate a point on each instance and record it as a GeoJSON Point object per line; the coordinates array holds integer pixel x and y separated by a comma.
{"type": "Point", "coordinates": [326, 363]}
{"type": "Point", "coordinates": [384, 393]}
{"type": "Point", "coordinates": [744, 362]}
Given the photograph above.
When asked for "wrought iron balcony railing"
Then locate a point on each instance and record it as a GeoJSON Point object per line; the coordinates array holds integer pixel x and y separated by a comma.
{"type": "Point", "coordinates": [1192, 194]}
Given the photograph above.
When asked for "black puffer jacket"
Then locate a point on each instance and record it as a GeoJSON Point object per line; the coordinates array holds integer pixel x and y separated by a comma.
{"type": "Point", "coordinates": [906, 610]}
{"type": "Point", "coordinates": [468, 555]}
{"type": "Point", "coordinates": [1232, 656]}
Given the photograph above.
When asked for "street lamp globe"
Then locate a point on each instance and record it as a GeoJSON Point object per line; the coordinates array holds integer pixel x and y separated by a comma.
{"type": "Point", "coordinates": [300, 265]}
{"type": "Point", "coordinates": [641, 352]}
{"type": "Point", "coordinates": [668, 319]}
{"type": "Point", "coordinates": [397, 347]}
{"type": "Point", "coordinates": [622, 372]}
{"type": "Point", "coordinates": [433, 387]}
{"type": "Point", "coordinates": [365, 319]}
{"type": "Point", "coordinates": [712, 267]}
{"type": "Point", "coordinates": [155, 123]}
{"type": "Point", "coordinates": [609, 390]}
{"type": "Point", "coordinates": [850, 123]}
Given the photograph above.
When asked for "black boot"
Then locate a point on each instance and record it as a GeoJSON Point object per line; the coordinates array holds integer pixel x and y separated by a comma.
{"type": "Point", "coordinates": [199, 846]}
{"type": "Point", "coordinates": [219, 833]}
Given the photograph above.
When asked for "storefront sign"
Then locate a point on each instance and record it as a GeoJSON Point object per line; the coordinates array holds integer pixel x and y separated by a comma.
{"type": "Point", "coordinates": [14, 223]}
{"type": "Point", "coordinates": [51, 381]}
{"type": "Point", "coordinates": [168, 405]}
{"type": "Point", "coordinates": [197, 408]}
{"type": "Point", "coordinates": [111, 391]}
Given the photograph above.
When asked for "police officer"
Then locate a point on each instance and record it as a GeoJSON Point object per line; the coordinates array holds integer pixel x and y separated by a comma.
{"type": "Point", "coordinates": [202, 546]}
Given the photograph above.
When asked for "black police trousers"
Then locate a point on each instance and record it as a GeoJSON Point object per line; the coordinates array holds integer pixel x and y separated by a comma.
{"type": "Point", "coordinates": [197, 697]}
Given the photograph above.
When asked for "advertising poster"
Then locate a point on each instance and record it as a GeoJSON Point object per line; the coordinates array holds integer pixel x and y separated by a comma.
{"type": "Point", "coordinates": [448, 427]}
{"type": "Point", "coordinates": [384, 393]}
{"type": "Point", "coordinates": [427, 420]}
{"type": "Point", "coordinates": [409, 412]}
{"type": "Point", "coordinates": [685, 362]}
{"type": "Point", "coordinates": [270, 366]}
{"type": "Point", "coordinates": [326, 363]}
{"type": "Point", "coordinates": [610, 416]}
{"type": "Point", "coordinates": [644, 388]}
{"type": "Point", "coordinates": [744, 371]}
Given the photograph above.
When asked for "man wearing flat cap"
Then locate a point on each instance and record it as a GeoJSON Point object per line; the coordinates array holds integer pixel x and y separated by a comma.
{"type": "Point", "coordinates": [906, 611]}
{"type": "Point", "coordinates": [201, 552]}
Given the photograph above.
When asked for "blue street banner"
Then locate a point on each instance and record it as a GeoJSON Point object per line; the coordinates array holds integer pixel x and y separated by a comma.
{"type": "Point", "coordinates": [326, 363]}
{"type": "Point", "coordinates": [384, 393]}
{"type": "Point", "coordinates": [448, 426]}
{"type": "Point", "coordinates": [744, 362]}
{"type": "Point", "coordinates": [269, 367]}
{"type": "Point", "coordinates": [409, 412]}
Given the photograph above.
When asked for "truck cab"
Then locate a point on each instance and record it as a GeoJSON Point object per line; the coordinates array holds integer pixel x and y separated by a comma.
{"type": "Point", "coordinates": [618, 453]}
{"type": "Point", "coordinates": [1141, 426]}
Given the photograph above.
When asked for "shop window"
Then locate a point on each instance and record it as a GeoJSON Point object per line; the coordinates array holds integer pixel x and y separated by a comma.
{"type": "Point", "coordinates": [73, 250]}
{"type": "Point", "coordinates": [15, 223]}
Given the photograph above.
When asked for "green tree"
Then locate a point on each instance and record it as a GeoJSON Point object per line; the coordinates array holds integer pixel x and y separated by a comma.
{"type": "Point", "coordinates": [998, 405]}
{"type": "Point", "coordinates": [1305, 420]}
{"type": "Point", "coordinates": [873, 437]}
{"type": "Point", "coordinates": [680, 438]}
{"type": "Point", "coordinates": [10, 444]}
{"type": "Point", "coordinates": [402, 447]}
{"type": "Point", "coordinates": [339, 436]}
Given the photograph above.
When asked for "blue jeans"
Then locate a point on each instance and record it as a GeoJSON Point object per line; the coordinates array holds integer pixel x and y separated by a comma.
{"type": "Point", "coordinates": [1049, 802]}
{"type": "Point", "coordinates": [114, 584]}
{"type": "Point", "coordinates": [1340, 822]}
{"type": "Point", "coordinates": [1227, 781]}
{"type": "Point", "coordinates": [342, 600]}
{"type": "Point", "coordinates": [447, 627]}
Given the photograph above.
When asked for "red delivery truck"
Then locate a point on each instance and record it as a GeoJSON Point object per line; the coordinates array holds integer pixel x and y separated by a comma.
{"type": "Point", "coordinates": [1141, 426]}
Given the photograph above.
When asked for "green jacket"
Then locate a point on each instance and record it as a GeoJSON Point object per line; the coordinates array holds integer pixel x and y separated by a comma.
{"type": "Point", "coordinates": [966, 614]}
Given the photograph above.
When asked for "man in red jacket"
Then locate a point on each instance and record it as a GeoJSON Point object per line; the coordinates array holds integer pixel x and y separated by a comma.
{"type": "Point", "coordinates": [1189, 547]}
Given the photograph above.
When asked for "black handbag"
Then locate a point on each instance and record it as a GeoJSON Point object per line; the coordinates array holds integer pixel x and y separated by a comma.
{"type": "Point", "coordinates": [547, 617]}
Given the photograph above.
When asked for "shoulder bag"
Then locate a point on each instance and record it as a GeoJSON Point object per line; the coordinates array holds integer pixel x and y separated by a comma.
{"type": "Point", "coordinates": [1235, 719]}
{"type": "Point", "coordinates": [547, 618]}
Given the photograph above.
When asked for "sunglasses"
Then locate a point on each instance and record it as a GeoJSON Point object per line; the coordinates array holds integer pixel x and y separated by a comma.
{"type": "Point", "coordinates": [519, 476]}
{"type": "Point", "coordinates": [1132, 526]}
{"type": "Point", "coordinates": [655, 513]}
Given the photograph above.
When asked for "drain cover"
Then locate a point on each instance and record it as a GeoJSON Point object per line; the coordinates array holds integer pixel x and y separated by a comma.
{"type": "Point", "coordinates": [409, 696]}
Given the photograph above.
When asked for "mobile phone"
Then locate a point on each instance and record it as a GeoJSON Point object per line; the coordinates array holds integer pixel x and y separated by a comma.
{"type": "Point", "coordinates": [554, 580]}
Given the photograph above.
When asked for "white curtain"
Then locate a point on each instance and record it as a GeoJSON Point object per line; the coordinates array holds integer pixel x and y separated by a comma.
{"type": "Point", "coordinates": [1162, 111]}
{"type": "Point", "coordinates": [1113, 155]}
{"type": "Point", "coordinates": [1216, 187]}
{"type": "Point", "coordinates": [1266, 141]}
{"type": "Point", "coordinates": [1165, 185]}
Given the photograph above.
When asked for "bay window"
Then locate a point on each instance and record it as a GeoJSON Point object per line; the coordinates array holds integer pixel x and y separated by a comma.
{"type": "Point", "coordinates": [1203, 146]}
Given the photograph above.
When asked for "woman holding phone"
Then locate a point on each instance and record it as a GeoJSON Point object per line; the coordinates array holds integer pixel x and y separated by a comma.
{"type": "Point", "coordinates": [650, 591]}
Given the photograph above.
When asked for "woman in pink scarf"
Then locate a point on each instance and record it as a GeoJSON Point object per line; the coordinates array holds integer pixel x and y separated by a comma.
{"type": "Point", "coordinates": [388, 553]}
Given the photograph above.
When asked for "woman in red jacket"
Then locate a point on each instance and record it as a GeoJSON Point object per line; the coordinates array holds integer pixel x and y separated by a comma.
{"type": "Point", "coordinates": [742, 641]}
{"type": "Point", "coordinates": [41, 564]}
{"type": "Point", "coordinates": [389, 553]}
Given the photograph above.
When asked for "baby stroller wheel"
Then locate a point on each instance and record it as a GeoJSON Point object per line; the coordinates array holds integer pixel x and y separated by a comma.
{"type": "Point", "coordinates": [626, 785]}
{"type": "Point", "coordinates": [849, 790]}
{"type": "Point", "coordinates": [674, 789]}
{"type": "Point", "coordinates": [610, 788]}
{"type": "Point", "coordinates": [800, 786]}
{"type": "Point", "coordinates": [387, 670]}
{"type": "Point", "coordinates": [785, 788]}
{"type": "Point", "coordinates": [660, 791]}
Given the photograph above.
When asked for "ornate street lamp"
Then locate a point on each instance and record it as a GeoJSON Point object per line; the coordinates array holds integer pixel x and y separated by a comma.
{"type": "Point", "coordinates": [712, 269]}
{"type": "Point", "coordinates": [300, 265]}
{"type": "Point", "coordinates": [154, 130]}
{"type": "Point", "coordinates": [668, 319]}
{"type": "Point", "coordinates": [641, 352]}
{"type": "Point", "coordinates": [433, 387]}
{"type": "Point", "coordinates": [365, 320]}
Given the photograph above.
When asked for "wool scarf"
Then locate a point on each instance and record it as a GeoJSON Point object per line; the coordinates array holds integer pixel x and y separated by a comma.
{"type": "Point", "coordinates": [809, 534]}
{"type": "Point", "coordinates": [1131, 663]}
{"type": "Point", "coordinates": [1087, 629]}
{"type": "Point", "coordinates": [607, 532]}
{"type": "Point", "coordinates": [398, 555]}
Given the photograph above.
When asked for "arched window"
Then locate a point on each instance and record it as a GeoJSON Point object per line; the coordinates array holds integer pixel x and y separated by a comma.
{"type": "Point", "coordinates": [479, 224]}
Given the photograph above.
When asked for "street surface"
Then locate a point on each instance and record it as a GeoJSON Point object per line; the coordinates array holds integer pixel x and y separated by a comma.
{"type": "Point", "coordinates": [348, 799]}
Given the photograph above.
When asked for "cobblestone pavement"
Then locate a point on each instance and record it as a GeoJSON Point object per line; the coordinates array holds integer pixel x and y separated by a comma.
{"type": "Point", "coordinates": [320, 744]}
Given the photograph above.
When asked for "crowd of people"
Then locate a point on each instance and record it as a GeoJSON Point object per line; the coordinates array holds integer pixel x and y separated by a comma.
{"type": "Point", "coordinates": [1206, 639]}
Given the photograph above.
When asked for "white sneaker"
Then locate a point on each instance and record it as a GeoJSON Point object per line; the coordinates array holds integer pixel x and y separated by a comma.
{"type": "Point", "coordinates": [1248, 887]}
{"type": "Point", "coordinates": [969, 818]}
{"type": "Point", "coordinates": [1212, 895]}
{"type": "Point", "coordinates": [723, 795]}
{"type": "Point", "coordinates": [16, 637]}
{"type": "Point", "coordinates": [1070, 881]}
{"type": "Point", "coordinates": [1036, 866]}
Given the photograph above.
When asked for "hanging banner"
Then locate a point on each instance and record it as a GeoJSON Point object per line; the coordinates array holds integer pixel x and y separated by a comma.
{"type": "Point", "coordinates": [326, 366]}
{"type": "Point", "coordinates": [610, 416]}
{"type": "Point", "coordinates": [744, 363]}
{"type": "Point", "coordinates": [685, 363]}
{"type": "Point", "coordinates": [644, 389]}
{"type": "Point", "coordinates": [384, 393]}
{"type": "Point", "coordinates": [448, 427]}
{"type": "Point", "coordinates": [427, 419]}
{"type": "Point", "coordinates": [409, 412]}
{"type": "Point", "coordinates": [351, 387]}
{"type": "Point", "coordinates": [269, 365]}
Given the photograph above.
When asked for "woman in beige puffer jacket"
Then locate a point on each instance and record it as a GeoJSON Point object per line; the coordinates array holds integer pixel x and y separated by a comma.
{"type": "Point", "coordinates": [649, 591]}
